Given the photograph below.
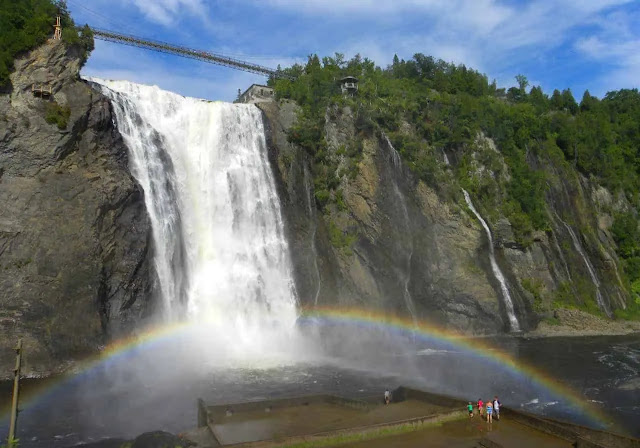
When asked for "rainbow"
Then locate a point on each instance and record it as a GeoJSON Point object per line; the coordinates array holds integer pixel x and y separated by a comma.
{"type": "Point", "coordinates": [157, 335]}
{"type": "Point", "coordinates": [476, 346]}
{"type": "Point", "coordinates": [117, 350]}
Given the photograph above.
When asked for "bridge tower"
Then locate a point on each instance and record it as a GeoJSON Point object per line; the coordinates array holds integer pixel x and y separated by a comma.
{"type": "Point", "coordinates": [57, 34]}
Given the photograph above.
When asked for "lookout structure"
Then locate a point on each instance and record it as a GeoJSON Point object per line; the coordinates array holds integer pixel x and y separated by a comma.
{"type": "Point", "coordinates": [349, 85]}
{"type": "Point", "coordinates": [57, 34]}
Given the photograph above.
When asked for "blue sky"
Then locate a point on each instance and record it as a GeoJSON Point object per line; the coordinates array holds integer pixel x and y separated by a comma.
{"type": "Point", "coordinates": [581, 44]}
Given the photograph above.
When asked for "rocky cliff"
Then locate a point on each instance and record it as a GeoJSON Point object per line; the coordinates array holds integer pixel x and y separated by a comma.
{"type": "Point", "coordinates": [392, 242]}
{"type": "Point", "coordinates": [75, 236]}
{"type": "Point", "coordinates": [74, 258]}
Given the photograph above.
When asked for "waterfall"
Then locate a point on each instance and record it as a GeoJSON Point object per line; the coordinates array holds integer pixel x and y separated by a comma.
{"type": "Point", "coordinates": [311, 207]}
{"type": "Point", "coordinates": [592, 273]}
{"type": "Point", "coordinates": [445, 158]}
{"type": "Point", "coordinates": [397, 165]}
{"type": "Point", "coordinates": [395, 157]}
{"type": "Point", "coordinates": [220, 251]}
{"type": "Point", "coordinates": [513, 320]}
{"type": "Point", "coordinates": [560, 253]}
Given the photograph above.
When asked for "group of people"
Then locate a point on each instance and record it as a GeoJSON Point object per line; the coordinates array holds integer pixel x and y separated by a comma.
{"type": "Point", "coordinates": [489, 409]}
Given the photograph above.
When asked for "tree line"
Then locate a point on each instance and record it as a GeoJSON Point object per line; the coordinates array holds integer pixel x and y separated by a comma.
{"type": "Point", "coordinates": [448, 106]}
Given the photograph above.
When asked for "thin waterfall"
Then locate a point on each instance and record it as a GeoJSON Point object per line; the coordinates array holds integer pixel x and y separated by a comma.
{"type": "Point", "coordinates": [311, 207]}
{"type": "Point", "coordinates": [445, 158]}
{"type": "Point", "coordinates": [397, 165]}
{"type": "Point", "coordinates": [561, 254]}
{"type": "Point", "coordinates": [513, 320]}
{"type": "Point", "coordinates": [220, 251]}
{"type": "Point", "coordinates": [592, 273]}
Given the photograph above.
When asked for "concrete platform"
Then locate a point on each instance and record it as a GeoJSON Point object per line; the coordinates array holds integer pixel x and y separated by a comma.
{"type": "Point", "coordinates": [468, 433]}
{"type": "Point", "coordinates": [278, 423]}
{"type": "Point", "coordinates": [414, 419]}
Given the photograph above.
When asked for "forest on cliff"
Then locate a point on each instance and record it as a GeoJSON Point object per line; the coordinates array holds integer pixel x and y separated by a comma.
{"type": "Point", "coordinates": [433, 111]}
{"type": "Point", "coordinates": [25, 24]}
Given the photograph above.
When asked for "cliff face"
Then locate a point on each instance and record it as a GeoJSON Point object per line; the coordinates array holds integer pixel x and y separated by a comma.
{"type": "Point", "coordinates": [75, 236]}
{"type": "Point", "coordinates": [394, 243]}
{"type": "Point", "coordinates": [74, 259]}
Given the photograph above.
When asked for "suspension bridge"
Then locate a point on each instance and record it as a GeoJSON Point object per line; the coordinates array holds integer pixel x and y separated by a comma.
{"type": "Point", "coordinates": [191, 53]}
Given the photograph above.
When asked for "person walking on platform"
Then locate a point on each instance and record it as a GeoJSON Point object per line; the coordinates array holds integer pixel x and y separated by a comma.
{"type": "Point", "coordinates": [480, 405]}
{"type": "Point", "coordinates": [470, 409]}
{"type": "Point", "coordinates": [496, 407]}
{"type": "Point", "coordinates": [489, 411]}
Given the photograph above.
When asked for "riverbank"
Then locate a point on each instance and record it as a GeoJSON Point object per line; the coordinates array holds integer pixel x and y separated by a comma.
{"type": "Point", "coordinates": [575, 323]}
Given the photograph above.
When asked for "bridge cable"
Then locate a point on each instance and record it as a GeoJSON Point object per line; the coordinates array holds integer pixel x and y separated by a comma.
{"type": "Point", "coordinates": [205, 56]}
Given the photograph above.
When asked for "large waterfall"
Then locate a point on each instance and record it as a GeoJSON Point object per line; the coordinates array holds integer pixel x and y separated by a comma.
{"type": "Point", "coordinates": [221, 254]}
{"type": "Point", "coordinates": [508, 303]}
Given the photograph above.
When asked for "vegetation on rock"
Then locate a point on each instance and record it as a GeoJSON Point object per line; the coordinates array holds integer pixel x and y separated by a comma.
{"type": "Point", "coordinates": [25, 24]}
{"type": "Point", "coordinates": [57, 114]}
{"type": "Point", "coordinates": [430, 108]}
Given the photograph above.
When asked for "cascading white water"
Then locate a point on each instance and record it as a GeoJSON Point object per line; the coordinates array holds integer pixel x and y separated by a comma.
{"type": "Point", "coordinates": [311, 207]}
{"type": "Point", "coordinates": [445, 158]}
{"type": "Point", "coordinates": [397, 165]}
{"type": "Point", "coordinates": [592, 273]}
{"type": "Point", "coordinates": [220, 251]}
{"type": "Point", "coordinates": [511, 315]}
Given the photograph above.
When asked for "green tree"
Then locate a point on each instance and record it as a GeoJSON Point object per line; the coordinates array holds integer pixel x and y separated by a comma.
{"type": "Point", "coordinates": [25, 24]}
{"type": "Point", "coordinates": [569, 101]}
{"type": "Point", "coordinates": [522, 83]}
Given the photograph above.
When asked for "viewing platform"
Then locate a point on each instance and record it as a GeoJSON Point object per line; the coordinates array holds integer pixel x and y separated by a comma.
{"type": "Point", "coordinates": [413, 418]}
{"type": "Point", "coordinates": [42, 90]}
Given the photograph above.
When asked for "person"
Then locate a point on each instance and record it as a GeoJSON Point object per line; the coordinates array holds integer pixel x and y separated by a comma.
{"type": "Point", "coordinates": [496, 407]}
{"type": "Point", "coordinates": [470, 408]}
{"type": "Point", "coordinates": [489, 411]}
{"type": "Point", "coordinates": [387, 396]}
{"type": "Point", "coordinates": [480, 405]}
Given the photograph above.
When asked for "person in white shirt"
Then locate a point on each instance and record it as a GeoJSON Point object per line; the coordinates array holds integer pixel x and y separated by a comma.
{"type": "Point", "coordinates": [496, 407]}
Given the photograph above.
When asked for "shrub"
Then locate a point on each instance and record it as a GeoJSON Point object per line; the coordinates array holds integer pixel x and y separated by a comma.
{"type": "Point", "coordinates": [57, 114]}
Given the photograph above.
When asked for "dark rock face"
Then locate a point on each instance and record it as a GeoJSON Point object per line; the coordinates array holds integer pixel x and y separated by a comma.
{"type": "Point", "coordinates": [74, 232]}
{"type": "Point", "coordinates": [420, 254]}
{"type": "Point", "coordinates": [154, 439]}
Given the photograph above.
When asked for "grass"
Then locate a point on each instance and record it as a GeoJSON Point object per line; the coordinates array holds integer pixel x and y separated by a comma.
{"type": "Point", "coordinates": [341, 439]}
{"type": "Point", "coordinates": [631, 313]}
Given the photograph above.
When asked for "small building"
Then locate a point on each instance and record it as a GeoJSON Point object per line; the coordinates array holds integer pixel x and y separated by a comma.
{"type": "Point", "coordinates": [256, 93]}
{"type": "Point", "coordinates": [349, 85]}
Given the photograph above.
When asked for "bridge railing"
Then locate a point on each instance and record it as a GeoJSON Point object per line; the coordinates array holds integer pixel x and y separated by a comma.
{"type": "Point", "coordinates": [201, 55]}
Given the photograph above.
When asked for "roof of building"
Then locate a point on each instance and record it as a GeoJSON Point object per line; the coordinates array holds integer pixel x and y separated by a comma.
{"type": "Point", "coordinates": [349, 78]}
{"type": "Point", "coordinates": [262, 86]}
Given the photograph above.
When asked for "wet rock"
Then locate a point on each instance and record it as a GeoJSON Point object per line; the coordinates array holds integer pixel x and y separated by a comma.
{"type": "Point", "coordinates": [160, 439]}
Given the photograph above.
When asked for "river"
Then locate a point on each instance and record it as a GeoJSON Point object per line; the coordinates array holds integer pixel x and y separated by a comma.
{"type": "Point", "coordinates": [118, 401]}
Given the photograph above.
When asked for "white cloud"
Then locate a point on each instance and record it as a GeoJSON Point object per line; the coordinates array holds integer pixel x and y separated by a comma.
{"type": "Point", "coordinates": [498, 37]}
{"type": "Point", "coordinates": [165, 12]}
{"type": "Point", "coordinates": [623, 56]}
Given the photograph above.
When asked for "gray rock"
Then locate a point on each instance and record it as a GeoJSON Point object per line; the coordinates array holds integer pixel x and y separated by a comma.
{"type": "Point", "coordinates": [74, 232]}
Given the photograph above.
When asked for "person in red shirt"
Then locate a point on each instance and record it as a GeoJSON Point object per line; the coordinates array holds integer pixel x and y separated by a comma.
{"type": "Point", "coordinates": [480, 406]}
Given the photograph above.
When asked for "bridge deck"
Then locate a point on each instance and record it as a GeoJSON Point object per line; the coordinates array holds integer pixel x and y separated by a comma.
{"type": "Point", "coordinates": [186, 52]}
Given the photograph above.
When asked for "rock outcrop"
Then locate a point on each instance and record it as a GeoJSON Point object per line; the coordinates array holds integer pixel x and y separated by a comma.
{"type": "Point", "coordinates": [74, 233]}
{"type": "Point", "coordinates": [416, 250]}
